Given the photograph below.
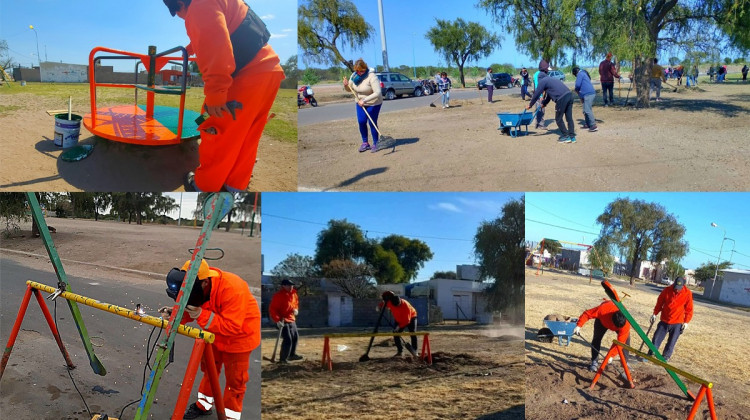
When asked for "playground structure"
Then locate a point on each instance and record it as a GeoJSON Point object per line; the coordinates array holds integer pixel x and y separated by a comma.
{"type": "Point", "coordinates": [215, 207]}
{"type": "Point", "coordinates": [657, 358]}
{"type": "Point", "coordinates": [149, 124]}
{"type": "Point", "coordinates": [425, 355]}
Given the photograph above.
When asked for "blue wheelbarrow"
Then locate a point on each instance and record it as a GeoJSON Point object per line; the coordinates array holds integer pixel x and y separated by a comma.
{"type": "Point", "coordinates": [511, 123]}
{"type": "Point", "coordinates": [559, 329]}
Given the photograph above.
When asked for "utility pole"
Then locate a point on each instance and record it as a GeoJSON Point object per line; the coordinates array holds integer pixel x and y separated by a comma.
{"type": "Point", "coordinates": [179, 213]}
{"type": "Point", "coordinates": [382, 36]}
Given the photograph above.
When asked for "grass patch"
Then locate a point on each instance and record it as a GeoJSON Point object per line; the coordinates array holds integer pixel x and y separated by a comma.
{"type": "Point", "coordinates": [283, 127]}
{"type": "Point", "coordinates": [7, 109]}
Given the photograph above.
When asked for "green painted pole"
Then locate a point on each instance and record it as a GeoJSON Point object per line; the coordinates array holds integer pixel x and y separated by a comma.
{"type": "Point", "coordinates": [36, 214]}
{"type": "Point", "coordinates": [214, 209]}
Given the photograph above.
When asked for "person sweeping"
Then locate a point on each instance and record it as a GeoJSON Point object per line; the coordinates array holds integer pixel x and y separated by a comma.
{"type": "Point", "coordinates": [675, 303]}
{"type": "Point", "coordinates": [221, 303]}
{"type": "Point", "coordinates": [405, 316]}
{"type": "Point", "coordinates": [242, 75]}
{"type": "Point", "coordinates": [607, 318]}
{"type": "Point", "coordinates": [558, 92]}
{"type": "Point", "coordinates": [283, 311]}
{"type": "Point", "coordinates": [366, 85]}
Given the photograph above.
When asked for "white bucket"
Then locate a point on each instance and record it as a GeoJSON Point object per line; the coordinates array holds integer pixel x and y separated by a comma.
{"type": "Point", "coordinates": [67, 131]}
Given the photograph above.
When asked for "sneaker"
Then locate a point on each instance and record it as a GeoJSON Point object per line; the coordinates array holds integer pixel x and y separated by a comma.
{"type": "Point", "coordinates": [194, 412]}
{"type": "Point", "coordinates": [571, 140]}
{"type": "Point", "coordinates": [398, 354]}
{"type": "Point", "coordinates": [295, 357]}
{"type": "Point", "coordinates": [190, 182]}
{"type": "Point", "coordinates": [364, 147]}
{"type": "Point", "coordinates": [594, 366]}
{"type": "Point", "coordinates": [374, 148]}
{"type": "Point", "coordinates": [593, 129]}
{"type": "Point", "coordinates": [562, 140]}
{"type": "Point", "coordinates": [623, 376]}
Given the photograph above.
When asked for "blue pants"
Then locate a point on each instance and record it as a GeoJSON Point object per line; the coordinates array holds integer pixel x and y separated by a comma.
{"type": "Point", "coordinates": [490, 88]}
{"type": "Point", "coordinates": [525, 91]}
{"type": "Point", "coordinates": [588, 110]}
{"type": "Point", "coordinates": [374, 111]}
{"type": "Point", "coordinates": [608, 88]}
{"type": "Point", "coordinates": [446, 98]}
{"type": "Point", "coordinates": [661, 331]}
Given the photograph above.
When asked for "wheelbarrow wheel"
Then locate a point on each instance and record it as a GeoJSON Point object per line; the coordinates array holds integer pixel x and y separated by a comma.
{"type": "Point", "coordinates": [545, 335]}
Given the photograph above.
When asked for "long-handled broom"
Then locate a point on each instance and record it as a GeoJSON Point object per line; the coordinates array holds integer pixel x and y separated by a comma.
{"type": "Point", "coordinates": [382, 137]}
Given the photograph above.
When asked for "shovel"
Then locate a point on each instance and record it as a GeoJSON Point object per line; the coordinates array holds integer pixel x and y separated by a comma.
{"type": "Point", "coordinates": [382, 137]}
{"type": "Point", "coordinates": [276, 346]}
{"type": "Point", "coordinates": [365, 357]}
{"type": "Point", "coordinates": [643, 342]}
{"type": "Point", "coordinates": [408, 346]}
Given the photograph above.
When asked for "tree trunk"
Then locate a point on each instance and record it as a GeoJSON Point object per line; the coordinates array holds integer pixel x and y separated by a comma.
{"type": "Point", "coordinates": [461, 73]}
{"type": "Point", "coordinates": [641, 80]}
{"type": "Point", "coordinates": [229, 220]}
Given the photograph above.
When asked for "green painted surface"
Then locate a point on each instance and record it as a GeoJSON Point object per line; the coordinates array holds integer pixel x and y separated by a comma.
{"type": "Point", "coordinates": [169, 117]}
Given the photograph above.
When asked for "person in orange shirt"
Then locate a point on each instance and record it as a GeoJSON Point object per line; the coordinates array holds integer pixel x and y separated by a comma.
{"type": "Point", "coordinates": [221, 303]}
{"type": "Point", "coordinates": [283, 311]}
{"type": "Point", "coordinates": [675, 303]}
{"type": "Point", "coordinates": [405, 316]}
{"type": "Point", "coordinates": [608, 317]}
{"type": "Point", "coordinates": [238, 66]}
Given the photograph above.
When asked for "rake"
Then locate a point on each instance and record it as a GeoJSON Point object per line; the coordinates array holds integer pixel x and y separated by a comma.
{"type": "Point", "coordinates": [382, 137]}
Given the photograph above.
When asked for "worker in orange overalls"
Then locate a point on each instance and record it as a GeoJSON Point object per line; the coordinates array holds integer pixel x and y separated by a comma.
{"type": "Point", "coordinates": [675, 303]}
{"type": "Point", "coordinates": [608, 317]}
{"type": "Point", "coordinates": [221, 303]}
{"type": "Point", "coordinates": [283, 312]}
{"type": "Point", "coordinates": [238, 66]}
{"type": "Point", "coordinates": [405, 316]}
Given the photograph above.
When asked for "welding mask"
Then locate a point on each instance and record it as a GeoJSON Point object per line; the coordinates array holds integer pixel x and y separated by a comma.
{"type": "Point", "coordinates": [174, 282]}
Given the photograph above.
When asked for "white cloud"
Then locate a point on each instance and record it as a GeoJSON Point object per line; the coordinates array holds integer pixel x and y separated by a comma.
{"type": "Point", "coordinates": [274, 36]}
{"type": "Point", "coordinates": [287, 30]}
{"type": "Point", "coordinates": [482, 205]}
{"type": "Point", "coordinates": [267, 17]}
{"type": "Point", "coordinates": [445, 206]}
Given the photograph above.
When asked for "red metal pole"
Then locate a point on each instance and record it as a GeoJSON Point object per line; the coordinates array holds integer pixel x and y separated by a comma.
{"type": "Point", "coordinates": [187, 383]}
{"type": "Point", "coordinates": [697, 402]}
{"type": "Point", "coordinates": [429, 349]}
{"type": "Point", "coordinates": [51, 323]}
{"type": "Point", "coordinates": [16, 328]}
{"type": "Point", "coordinates": [213, 378]}
{"type": "Point", "coordinates": [710, 399]}
{"type": "Point", "coordinates": [610, 353]}
{"type": "Point", "coordinates": [625, 366]}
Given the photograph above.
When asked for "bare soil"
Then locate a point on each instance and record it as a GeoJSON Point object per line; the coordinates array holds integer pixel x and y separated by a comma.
{"type": "Point", "coordinates": [694, 140]}
{"type": "Point", "coordinates": [476, 374]}
{"type": "Point", "coordinates": [557, 378]}
{"type": "Point", "coordinates": [30, 160]}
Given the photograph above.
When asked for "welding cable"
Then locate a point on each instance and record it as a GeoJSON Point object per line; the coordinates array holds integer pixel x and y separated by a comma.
{"type": "Point", "coordinates": [68, 368]}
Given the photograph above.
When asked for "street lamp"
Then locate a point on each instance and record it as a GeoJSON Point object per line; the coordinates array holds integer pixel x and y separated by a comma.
{"type": "Point", "coordinates": [716, 272]}
{"type": "Point", "coordinates": [39, 57]}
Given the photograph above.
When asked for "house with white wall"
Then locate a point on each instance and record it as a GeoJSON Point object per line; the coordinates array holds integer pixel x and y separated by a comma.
{"type": "Point", "coordinates": [732, 286]}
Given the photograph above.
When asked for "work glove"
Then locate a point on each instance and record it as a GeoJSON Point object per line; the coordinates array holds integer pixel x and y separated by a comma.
{"type": "Point", "coordinates": [683, 327]}
{"type": "Point", "coordinates": [296, 312]}
{"type": "Point", "coordinates": [653, 318]}
{"type": "Point", "coordinates": [377, 309]}
{"type": "Point", "coordinates": [280, 324]}
{"type": "Point", "coordinates": [193, 311]}
{"type": "Point", "coordinates": [165, 311]}
{"type": "Point", "coordinates": [577, 330]}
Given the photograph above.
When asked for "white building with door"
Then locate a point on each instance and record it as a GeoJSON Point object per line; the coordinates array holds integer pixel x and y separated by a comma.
{"type": "Point", "coordinates": [458, 299]}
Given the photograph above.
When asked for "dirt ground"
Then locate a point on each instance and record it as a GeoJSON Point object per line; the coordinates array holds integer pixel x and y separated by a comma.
{"type": "Point", "coordinates": [476, 374]}
{"type": "Point", "coordinates": [694, 140]}
{"type": "Point", "coordinates": [30, 158]}
{"type": "Point", "coordinates": [557, 379]}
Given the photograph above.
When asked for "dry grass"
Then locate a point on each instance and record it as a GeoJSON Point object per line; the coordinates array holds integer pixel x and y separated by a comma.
{"type": "Point", "coordinates": [474, 375]}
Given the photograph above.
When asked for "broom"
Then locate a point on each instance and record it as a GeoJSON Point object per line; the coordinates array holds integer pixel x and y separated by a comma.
{"type": "Point", "coordinates": [382, 137]}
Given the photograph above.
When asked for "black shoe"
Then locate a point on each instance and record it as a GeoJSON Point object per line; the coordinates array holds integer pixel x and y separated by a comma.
{"type": "Point", "coordinates": [398, 354]}
{"type": "Point", "coordinates": [194, 412]}
{"type": "Point", "coordinates": [190, 182]}
{"type": "Point", "coordinates": [283, 362]}
{"type": "Point", "coordinates": [295, 357]}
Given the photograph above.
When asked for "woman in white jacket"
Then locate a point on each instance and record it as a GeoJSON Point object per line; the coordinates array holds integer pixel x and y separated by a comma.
{"type": "Point", "coordinates": [369, 100]}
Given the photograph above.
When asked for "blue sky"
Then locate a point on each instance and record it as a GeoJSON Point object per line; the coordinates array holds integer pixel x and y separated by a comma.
{"type": "Point", "coordinates": [70, 29]}
{"type": "Point", "coordinates": [576, 213]}
{"type": "Point", "coordinates": [447, 222]}
{"type": "Point", "coordinates": [407, 22]}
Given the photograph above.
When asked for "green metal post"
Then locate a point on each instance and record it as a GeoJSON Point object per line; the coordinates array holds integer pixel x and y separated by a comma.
{"type": "Point", "coordinates": [36, 214]}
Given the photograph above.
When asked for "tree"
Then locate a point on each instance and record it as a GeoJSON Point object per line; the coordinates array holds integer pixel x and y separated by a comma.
{"type": "Point", "coordinates": [13, 210]}
{"type": "Point", "coordinates": [341, 240]}
{"type": "Point", "coordinates": [386, 267]}
{"type": "Point", "coordinates": [410, 253]}
{"type": "Point", "coordinates": [705, 271]}
{"type": "Point", "coordinates": [674, 269]}
{"type": "Point", "coordinates": [5, 59]}
{"type": "Point", "coordinates": [459, 41]}
{"type": "Point", "coordinates": [552, 246]}
{"type": "Point", "coordinates": [309, 78]}
{"type": "Point", "coordinates": [601, 258]}
{"type": "Point", "coordinates": [299, 269]}
{"type": "Point", "coordinates": [102, 201]}
{"type": "Point", "coordinates": [322, 24]}
{"type": "Point", "coordinates": [352, 278]}
{"type": "Point", "coordinates": [499, 248]}
{"type": "Point", "coordinates": [541, 28]}
{"type": "Point", "coordinates": [727, 60]}
{"type": "Point", "coordinates": [643, 230]}
{"type": "Point", "coordinates": [291, 72]}
{"type": "Point", "coordinates": [638, 30]}
{"type": "Point", "coordinates": [444, 275]}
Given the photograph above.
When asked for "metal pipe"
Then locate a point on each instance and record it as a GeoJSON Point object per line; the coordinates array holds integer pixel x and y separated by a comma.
{"type": "Point", "coordinates": [187, 384]}
{"type": "Point", "coordinates": [665, 365]}
{"type": "Point", "coordinates": [126, 313]}
{"type": "Point", "coordinates": [366, 334]}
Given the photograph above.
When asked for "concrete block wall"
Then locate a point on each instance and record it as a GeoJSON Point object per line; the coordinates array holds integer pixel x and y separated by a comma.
{"type": "Point", "coordinates": [29, 75]}
{"type": "Point", "coordinates": [63, 73]}
{"type": "Point", "coordinates": [313, 311]}
{"type": "Point", "coordinates": [364, 312]}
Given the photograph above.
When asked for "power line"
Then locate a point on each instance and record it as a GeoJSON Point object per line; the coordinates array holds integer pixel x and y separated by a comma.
{"type": "Point", "coordinates": [556, 215]}
{"type": "Point", "coordinates": [369, 230]}
{"type": "Point", "coordinates": [561, 227]}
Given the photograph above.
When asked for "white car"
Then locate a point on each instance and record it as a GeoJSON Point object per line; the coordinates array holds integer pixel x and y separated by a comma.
{"type": "Point", "coordinates": [556, 74]}
{"type": "Point", "coordinates": [665, 280]}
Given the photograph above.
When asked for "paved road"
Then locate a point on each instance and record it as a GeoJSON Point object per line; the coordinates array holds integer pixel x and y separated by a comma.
{"type": "Point", "coordinates": [36, 385]}
{"type": "Point", "coordinates": [345, 110]}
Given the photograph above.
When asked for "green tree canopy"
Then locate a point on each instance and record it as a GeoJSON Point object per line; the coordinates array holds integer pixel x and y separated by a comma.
{"type": "Point", "coordinates": [410, 253]}
{"type": "Point", "coordinates": [298, 268]}
{"type": "Point", "coordinates": [499, 248]}
{"type": "Point", "coordinates": [341, 240]}
{"type": "Point", "coordinates": [325, 25]}
{"type": "Point", "coordinates": [705, 272]}
{"type": "Point", "coordinates": [601, 258]}
{"type": "Point", "coordinates": [444, 275]}
{"type": "Point", "coordinates": [354, 279]}
{"type": "Point", "coordinates": [385, 265]}
{"type": "Point", "coordinates": [459, 41]}
{"type": "Point", "coordinates": [644, 230]}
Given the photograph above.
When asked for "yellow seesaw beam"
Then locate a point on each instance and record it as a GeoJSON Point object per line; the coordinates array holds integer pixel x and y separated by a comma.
{"type": "Point", "coordinates": [665, 365]}
{"type": "Point", "coordinates": [380, 334]}
{"type": "Point", "coordinates": [126, 313]}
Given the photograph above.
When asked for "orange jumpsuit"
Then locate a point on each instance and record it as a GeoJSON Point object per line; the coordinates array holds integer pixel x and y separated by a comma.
{"type": "Point", "coordinates": [282, 306]}
{"type": "Point", "coordinates": [232, 314]}
{"type": "Point", "coordinates": [675, 307]}
{"type": "Point", "coordinates": [604, 314]}
{"type": "Point", "coordinates": [402, 313]}
{"type": "Point", "coordinates": [227, 157]}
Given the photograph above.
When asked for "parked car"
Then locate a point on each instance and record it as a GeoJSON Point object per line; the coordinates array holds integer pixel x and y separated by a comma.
{"type": "Point", "coordinates": [498, 80]}
{"type": "Point", "coordinates": [665, 280]}
{"type": "Point", "coordinates": [395, 85]}
{"type": "Point", "coordinates": [557, 74]}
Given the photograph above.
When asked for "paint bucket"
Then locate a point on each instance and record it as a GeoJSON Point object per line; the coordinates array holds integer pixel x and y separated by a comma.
{"type": "Point", "coordinates": [67, 131]}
